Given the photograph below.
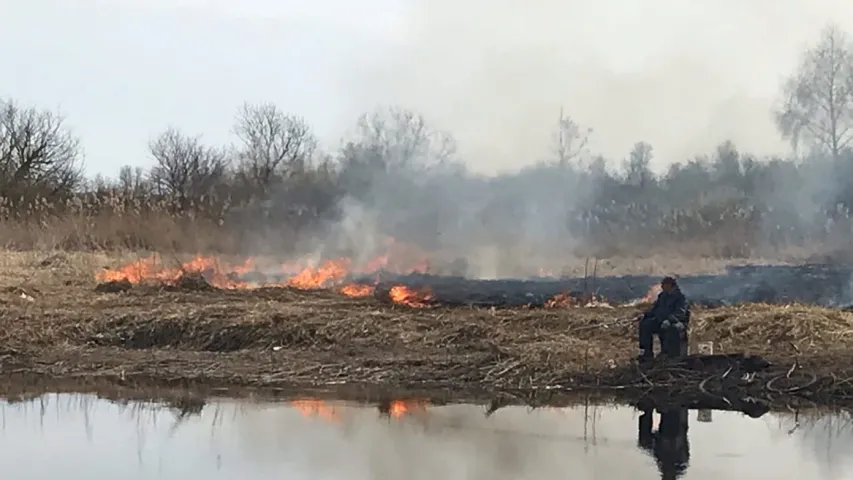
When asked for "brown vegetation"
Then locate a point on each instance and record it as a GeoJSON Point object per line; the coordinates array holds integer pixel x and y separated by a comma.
{"type": "Point", "coordinates": [54, 323]}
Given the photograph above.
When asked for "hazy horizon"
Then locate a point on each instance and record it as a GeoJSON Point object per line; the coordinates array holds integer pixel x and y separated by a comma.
{"type": "Point", "coordinates": [683, 77]}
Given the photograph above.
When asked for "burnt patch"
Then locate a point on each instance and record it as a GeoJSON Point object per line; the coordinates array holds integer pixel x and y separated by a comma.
{"type": "Point", "coordinates": [191, 282]}
{"type": "Point", "coordinates": [113, 286]}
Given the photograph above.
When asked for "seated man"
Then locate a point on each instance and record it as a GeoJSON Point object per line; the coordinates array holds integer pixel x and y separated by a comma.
{"type": "Point", "coordinates": [668, 319]}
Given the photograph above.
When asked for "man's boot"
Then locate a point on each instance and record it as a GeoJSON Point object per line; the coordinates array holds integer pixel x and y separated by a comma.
{"type": "Point", "coordinates": [646, 356]}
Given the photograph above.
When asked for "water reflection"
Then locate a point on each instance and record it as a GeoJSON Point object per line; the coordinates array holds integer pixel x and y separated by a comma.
{"type": "Point", "coordinates": [669, 444]}
{"type": "Point", "coordinates": [310, 439]}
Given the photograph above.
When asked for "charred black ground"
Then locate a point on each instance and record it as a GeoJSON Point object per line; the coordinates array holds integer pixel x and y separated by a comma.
{"type": "Point", "coordinates": [815, 284]}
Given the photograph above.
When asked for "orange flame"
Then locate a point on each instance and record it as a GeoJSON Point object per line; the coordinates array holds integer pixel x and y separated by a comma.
{"type": "Point", "coordinates": [417, 298]}
{"type": "Point", "coordinates": [652, 294]}
{"type": "Point", "coordinates": [357, 290]}
{"type": "Point", "coordinates": [329, 271]}
{"type": "Point", "coordinates": [316, 408]}
{"type": "Point", "coordinates": [649, 297]}
{"type": "Point", "coordinates": [567, 299]}
{"type": "Point", "coordinates": [216, 273]}
{"type": "Point", "coordinates": [400, 408]}
{"type": "Point", "coordinates": [562, 300]}
{"type": "Point", "coordinates": [299, 275]}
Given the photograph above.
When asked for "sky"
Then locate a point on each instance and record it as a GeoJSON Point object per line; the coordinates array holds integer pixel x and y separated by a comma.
{"type": "Point", "coordinates": [683, 76]}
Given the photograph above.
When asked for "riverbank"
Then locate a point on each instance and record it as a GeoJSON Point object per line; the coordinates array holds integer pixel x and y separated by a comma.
{"type": "Point", "coordinates": [280, 338]}
{"type": "Point", "coordinates": [54, 325]}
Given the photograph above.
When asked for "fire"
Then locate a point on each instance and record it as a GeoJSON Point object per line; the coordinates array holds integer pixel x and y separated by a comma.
{"type": "Point", "coordinates": [411, 297]}
{"type": "Point", "coordinates": [392, 259]}
{"type": "Point", "coordinates": [650, 296]}
{"type": "Point", "coordinates": [316, 408]}
{"type": "Point", "coordinates": [357, 290]}
{"type": "Point", "coordinates": [329, 271]}
{"type": "Point", "coordinates": [400, 408]}
{"type": "Point", "coordinates": [567, 299]}
{"type": "Point", "coordinates": [303, 275]}
{"type": "Point", "coordinates": [562, 300]}
{"type": "Point", "coordinates": [216, 273]}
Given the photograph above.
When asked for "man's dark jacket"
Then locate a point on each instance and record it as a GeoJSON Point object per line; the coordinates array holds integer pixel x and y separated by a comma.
{"type": "Point", "coordinates": [671, 306]}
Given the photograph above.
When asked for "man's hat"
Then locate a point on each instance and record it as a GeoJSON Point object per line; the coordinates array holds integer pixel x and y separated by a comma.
{"type": "Point", "coordinates": [668, 281]}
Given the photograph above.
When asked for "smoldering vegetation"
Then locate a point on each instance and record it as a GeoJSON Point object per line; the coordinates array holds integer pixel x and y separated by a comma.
{"type": "Point", "coordinates": [397, 178]}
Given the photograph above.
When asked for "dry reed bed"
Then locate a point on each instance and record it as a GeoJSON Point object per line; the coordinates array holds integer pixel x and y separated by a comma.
{"type": "Point", "coordinates": [53, 323]}
{"type": "Point", "coordinates": [116, 220]}
{"type": "Point", "coordinates": [545, 344]}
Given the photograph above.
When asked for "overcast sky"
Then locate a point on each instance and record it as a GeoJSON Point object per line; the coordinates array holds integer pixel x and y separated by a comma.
{"type": "Point", "coordinates": [681, 75]}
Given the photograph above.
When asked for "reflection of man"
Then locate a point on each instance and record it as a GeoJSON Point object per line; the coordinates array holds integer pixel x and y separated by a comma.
{"type": "Point", "coordinates": [669, 444]}
{"type": "Point", "coordinates": [668, 319]}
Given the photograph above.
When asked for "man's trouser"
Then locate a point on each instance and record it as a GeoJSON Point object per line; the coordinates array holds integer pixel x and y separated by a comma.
{"type": "Point", "coordinates": [649, 327]}
{"type": "Point", "coordinates": [672, 341]}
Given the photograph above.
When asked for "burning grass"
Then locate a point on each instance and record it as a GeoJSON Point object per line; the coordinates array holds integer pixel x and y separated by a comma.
{"type": "Point", "coordinates": [55, 323]}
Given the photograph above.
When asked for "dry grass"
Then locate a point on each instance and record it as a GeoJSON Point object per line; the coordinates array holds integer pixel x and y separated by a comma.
{"type": "Point", "coordinates": [54, 324]}
{"type": "Point", "coordinates": [115, 222]}
{"type": "Point", "coordinates": [52, 317]}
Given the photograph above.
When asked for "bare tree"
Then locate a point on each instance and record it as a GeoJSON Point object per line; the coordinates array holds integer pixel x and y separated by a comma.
{"type": "Point", "coordinates": [818, 98]}
{"type": "Point", "coordinates": [572, 141]}
{"type": "Point", "coordinates": [99, 183]}
{"type": "Point", "coordinates": [726, 164]}
{"type": "Point", "coordinates": [637, 166]}
{"type": "Point", "coordinates": [132, 182]}
{"type": "Point", "coordinates": [275, 147]}
{"type": "Point", "coordinates": [403, 138]}
{"type": "Point", "coordinates": [38, 155]}
{"type": "Point", "coordinates": [186, 170]}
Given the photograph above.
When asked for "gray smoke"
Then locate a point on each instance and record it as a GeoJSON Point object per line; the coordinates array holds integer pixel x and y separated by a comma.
{"type": "Point", "coordinates": [681, 76]}
{"type": "Point", "coordinates": [685, 79]}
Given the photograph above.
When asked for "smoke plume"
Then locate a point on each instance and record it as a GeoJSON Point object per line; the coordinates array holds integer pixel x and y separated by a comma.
{"type": "Point", "coordinates": [684, 77]}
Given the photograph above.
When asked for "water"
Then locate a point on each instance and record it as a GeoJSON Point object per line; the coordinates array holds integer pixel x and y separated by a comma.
{"type": "Point", "coordinates": [61, 435]}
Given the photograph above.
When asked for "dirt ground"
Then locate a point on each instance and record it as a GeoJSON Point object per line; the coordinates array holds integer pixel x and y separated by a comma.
{"type": "Point", "coordinates": [54, 325]}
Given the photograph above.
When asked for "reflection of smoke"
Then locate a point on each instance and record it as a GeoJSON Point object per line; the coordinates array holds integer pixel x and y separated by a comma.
{"type": "Point", "coordinates": [452, 442]}
{"type": "Point", "coordinates": [231, 439]}
{"type": "Point", "coordinates": [457, 442]}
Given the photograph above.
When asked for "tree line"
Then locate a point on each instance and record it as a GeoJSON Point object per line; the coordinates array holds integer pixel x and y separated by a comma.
{"type": "Point", "coordinates": [408, 172]}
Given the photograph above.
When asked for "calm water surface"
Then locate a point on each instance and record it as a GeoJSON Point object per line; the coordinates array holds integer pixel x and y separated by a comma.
{"type": "Point", "coordinates": [61, 435]}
